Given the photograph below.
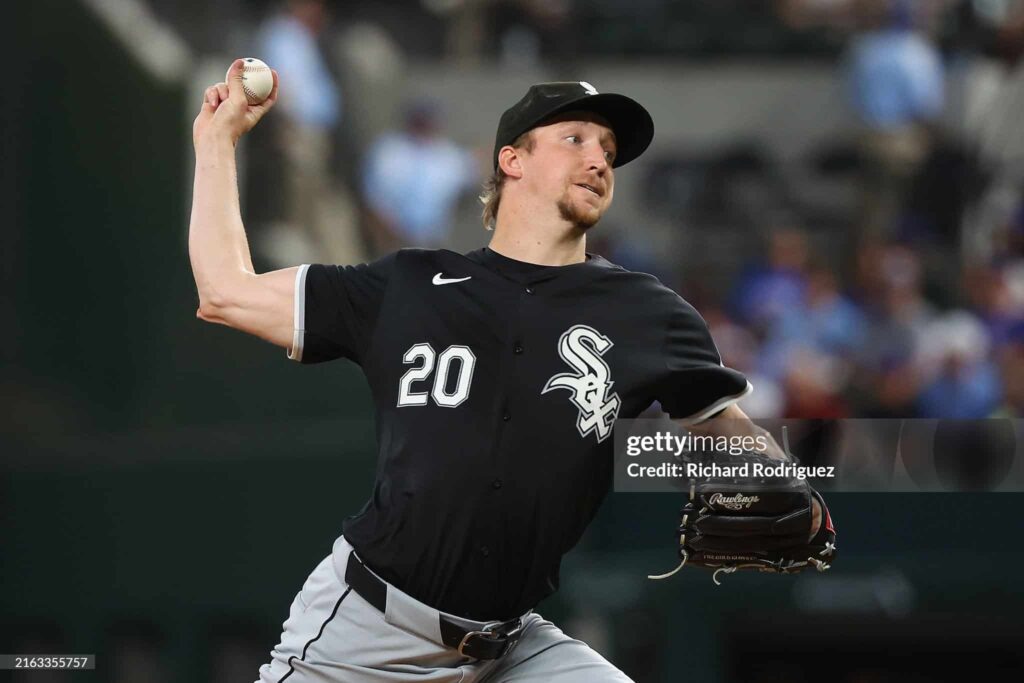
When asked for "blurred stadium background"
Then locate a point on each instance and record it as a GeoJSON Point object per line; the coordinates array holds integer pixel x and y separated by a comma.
{"type": "Point", "coordinates": [835, 184]}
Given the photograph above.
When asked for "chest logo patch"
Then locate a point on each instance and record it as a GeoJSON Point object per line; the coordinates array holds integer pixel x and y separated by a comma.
{"type": "Point", "coordinates": [440, 280]}
{"type": "Point", "coordinates": [590, 384]}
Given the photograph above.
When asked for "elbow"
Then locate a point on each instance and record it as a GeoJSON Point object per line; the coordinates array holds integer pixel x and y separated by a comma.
{"type": "Point", "coordinates": [211, 308]}
{"type": "Point", "coordinates": [205, 314]}
{"type": "Point", "coordinates": [221, 300]}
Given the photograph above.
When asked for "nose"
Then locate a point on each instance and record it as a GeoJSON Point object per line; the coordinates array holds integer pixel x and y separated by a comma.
{"type": "Point", "coordinates": [596, 159]}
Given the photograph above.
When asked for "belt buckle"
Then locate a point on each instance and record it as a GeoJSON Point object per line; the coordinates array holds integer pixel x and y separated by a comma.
{"type": "Point", "coordinates": [471, 634]}
{"type": "Point", "coordinates": [490, 634]}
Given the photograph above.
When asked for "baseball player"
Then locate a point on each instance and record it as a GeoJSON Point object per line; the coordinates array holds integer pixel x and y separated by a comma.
{"type": "Point", "coordinates": [497, 377]}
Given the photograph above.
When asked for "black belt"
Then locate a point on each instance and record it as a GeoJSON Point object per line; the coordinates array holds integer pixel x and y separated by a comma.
{"type": "Point", "coordinates": [489, 644]}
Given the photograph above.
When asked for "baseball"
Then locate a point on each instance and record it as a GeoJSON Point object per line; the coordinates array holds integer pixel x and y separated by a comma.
{"type": "Point", "coordinates": [257, 80]}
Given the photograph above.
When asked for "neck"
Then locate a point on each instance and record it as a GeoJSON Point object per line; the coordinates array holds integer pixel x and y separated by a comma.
{"type": "Point", "coordinates": [532, 237]}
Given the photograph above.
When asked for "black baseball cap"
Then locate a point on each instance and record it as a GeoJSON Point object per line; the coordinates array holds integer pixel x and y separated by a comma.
{"type": "Point", "coordinates": [630, 122]}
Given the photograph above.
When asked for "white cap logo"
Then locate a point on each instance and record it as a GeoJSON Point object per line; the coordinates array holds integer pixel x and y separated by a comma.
{"type": "Point", "coordinates": [591, 90]}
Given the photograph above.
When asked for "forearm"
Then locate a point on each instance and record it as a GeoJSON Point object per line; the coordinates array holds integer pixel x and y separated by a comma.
{"type": "Point", "coordinates": [733, 422]}
{"type": "Point", "coordinates": [218, 248]}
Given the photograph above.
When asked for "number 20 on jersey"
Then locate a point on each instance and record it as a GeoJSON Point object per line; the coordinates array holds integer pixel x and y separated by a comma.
{"type": "Point", "coordinates": [453, 359]}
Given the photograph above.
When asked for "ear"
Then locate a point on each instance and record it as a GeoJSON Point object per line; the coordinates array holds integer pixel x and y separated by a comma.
{"type": "Point", "coordinates": [510, 161]}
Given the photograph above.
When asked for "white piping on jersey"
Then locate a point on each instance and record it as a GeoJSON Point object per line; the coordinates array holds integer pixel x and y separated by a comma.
{"type": "Point", "coordinates": [299, 324]}
{"type": "Point", "coordinates": [721, 403]}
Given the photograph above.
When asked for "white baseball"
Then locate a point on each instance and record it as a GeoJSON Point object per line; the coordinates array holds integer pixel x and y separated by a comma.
{"type": "Point", "coordinates": [257, 80]}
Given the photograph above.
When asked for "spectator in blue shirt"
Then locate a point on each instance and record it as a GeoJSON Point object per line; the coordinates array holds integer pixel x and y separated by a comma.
{"type": "Point", "coordinates": [319, 222]}
{"type": "Point", "coordinates": [289, 44]}
{"type": "Point", "coordinates": [894, 78]}
{"type": "Point", "coordinates": [412, 180]}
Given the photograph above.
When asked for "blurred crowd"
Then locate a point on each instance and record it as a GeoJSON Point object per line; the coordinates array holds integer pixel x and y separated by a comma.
{"type": "Point", "coordinates": [922, 313]}
{"type": "Point", "coordinates": [874, 345]}
{"type": "Point", "coordinates": [327, 194]}
{"type": "Point", "coordinates": [913, 306]}
{"type": "Point", "coordinates": [918, 311]}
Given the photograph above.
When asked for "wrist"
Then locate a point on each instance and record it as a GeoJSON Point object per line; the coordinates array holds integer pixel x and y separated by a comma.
{"type": "Point", "coordinates": [214, 145]}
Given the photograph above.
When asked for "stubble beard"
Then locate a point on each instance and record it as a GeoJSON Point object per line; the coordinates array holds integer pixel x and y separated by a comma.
{"type": "Point", "coordinates": [582, 218]}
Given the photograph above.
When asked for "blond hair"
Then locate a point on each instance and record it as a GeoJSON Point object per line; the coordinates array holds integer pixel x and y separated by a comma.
{"type": "Point", "coordinates": [490, 196]}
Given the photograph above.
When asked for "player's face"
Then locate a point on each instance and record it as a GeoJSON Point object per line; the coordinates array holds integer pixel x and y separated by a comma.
{"type": "Point", "coordinates": [571, 164]}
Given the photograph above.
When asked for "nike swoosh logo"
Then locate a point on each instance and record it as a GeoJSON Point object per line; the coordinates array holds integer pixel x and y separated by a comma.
{"type": "Point", "coordinates": [438, 280]}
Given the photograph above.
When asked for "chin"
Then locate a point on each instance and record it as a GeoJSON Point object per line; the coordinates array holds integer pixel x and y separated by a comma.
{"type": "Point", "coordinates": [582, 217]}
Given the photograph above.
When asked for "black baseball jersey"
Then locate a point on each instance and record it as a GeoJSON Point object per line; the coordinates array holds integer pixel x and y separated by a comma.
{"type": "Point", "coordinates": [496, 385]}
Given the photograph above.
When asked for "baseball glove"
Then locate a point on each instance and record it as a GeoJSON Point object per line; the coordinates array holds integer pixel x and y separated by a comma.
{"type": "Point", "coordinates": [745, 521]}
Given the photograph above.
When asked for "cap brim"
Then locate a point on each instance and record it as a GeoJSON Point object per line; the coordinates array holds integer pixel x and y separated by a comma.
{"type": "Point", "coordinates": [632, 125]}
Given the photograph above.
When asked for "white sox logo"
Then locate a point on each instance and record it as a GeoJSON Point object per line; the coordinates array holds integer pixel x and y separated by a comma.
{"type": "Point", "coordinates": [582, 347]}
{"type": "Point", "coordinates": [736, 502]}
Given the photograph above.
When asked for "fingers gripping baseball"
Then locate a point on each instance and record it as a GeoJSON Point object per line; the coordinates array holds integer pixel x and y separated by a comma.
{"type": "Point", "coordinates": [234, 81]}
{"type": "Point", "coordinates": [226, 111]}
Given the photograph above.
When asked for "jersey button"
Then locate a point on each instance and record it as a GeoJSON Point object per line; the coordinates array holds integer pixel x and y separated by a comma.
{"type": "Point", "coordinates": [517, 349]}
{"type": "Point", "coordinates": [485, 551]}
{"type": "Point", "coordinates": [529, 290]}
{"type": "Point", "coordinates": [496, 484]}
{"type": "Point", "coordinates": [506, 417]}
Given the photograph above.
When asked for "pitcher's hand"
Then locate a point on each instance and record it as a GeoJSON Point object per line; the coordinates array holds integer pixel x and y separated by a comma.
{"type": "Point", "coordinates": [226, 113]}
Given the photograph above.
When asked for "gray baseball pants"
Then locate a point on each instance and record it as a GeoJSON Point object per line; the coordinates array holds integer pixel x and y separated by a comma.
{"type": "Point", "coordinates": [332, 635]}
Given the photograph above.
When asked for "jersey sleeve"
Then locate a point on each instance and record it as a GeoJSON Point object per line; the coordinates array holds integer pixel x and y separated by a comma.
{"type": "Point", "coordinates": [336, 309]}
{"type": "Point", "coordinates": [695, 385]}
